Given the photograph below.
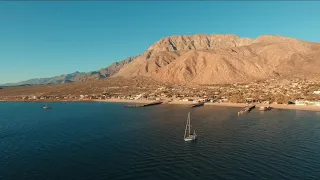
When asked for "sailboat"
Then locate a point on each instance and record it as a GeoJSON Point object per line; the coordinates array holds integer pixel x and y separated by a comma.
{"type": "Point", "coordinates": [187, 135]}
{"type": "Point", "coordinates": [46, 107]}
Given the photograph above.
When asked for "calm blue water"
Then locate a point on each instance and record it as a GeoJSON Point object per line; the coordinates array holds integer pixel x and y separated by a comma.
{"type": "Point", "coordinates": [96, 141]}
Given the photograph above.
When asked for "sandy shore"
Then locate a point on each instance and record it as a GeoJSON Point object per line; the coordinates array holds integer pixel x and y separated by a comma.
{"type": "Point", "coordinates": [181, 102]}
{"type": "Point", "coordinates": [226, 104]}
{"type": "Point", "coordinates": [294, 107]}
{"type": "Point", "coordinates": [275, 106]}
{"type": "Point", "coordinates": [240, 105]}
{"type": "Point", "coordinates": [146, 101]}
{"type": "Point", "coordinates": [46, 100]}
{"type": "Point", "coordinates": [123, 101]}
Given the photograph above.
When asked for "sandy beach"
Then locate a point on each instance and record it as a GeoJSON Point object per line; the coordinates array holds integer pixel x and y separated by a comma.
{"type": "Point", "coordinates": [226, 104]}
{"type": "Point", "coordinates": [241, 105]}
{"type": "Point", "coordinates": [294, 107]}
{"type": "Point", "coordinates": [176, 102]}
{"type": "Point", "coordinates": [275, 106]}
{"type": "Point", "coordinates": [181, 102]}
{"type": "Point", "coordinates": [122, 101]}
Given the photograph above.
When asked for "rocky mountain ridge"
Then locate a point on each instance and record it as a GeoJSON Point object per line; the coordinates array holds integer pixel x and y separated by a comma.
{"type": "Point", "coordinates": [213, 59]}
{"type": "Point", "coordinates": [219, 59]}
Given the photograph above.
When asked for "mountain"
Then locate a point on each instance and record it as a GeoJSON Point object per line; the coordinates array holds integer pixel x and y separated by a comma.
{"type": "Point", "coordinates": [219, 59]}
{"type": "Point", "coordinates": [210, 59]}
{"type": "Point", "coordinates": [105, 72]}
{"type": "Point", "coordinates": [49, 80]}
{"type": "Point", "coordinates": [77, 76]}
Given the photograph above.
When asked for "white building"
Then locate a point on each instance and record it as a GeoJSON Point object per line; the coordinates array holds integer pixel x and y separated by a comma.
{"type": "Point", "coordinates": [317, 103]}
{"type": "Point", "coordinates": [138, 96]}
{"type": "Point", "coordinates": [316, 92]}
{"type": "Point", "coordinates": [301, 103]}
{"type": "Point", "coordinates": [202, 100]}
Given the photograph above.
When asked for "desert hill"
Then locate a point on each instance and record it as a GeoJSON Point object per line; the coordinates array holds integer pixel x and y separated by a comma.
{"type": "Point", "coordinates": [218, 59]}
{"type": "Point", "coordinates": [210, 59]}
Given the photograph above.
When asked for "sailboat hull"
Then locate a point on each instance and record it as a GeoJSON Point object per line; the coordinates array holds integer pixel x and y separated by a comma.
{"type": "Point", "coordinates": [190, 138]}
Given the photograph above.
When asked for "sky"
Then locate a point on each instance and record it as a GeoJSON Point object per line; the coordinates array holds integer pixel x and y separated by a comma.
{"type": "Point", "coordinates": [43, 39]}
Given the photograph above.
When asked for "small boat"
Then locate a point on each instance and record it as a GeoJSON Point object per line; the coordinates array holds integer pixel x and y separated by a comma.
{"type": "Point", "coordinates": [46, 107]}
{"type": "Point", "coordinates": [187, 135]}
{"type": "Point", "coordinates": [264, 108]}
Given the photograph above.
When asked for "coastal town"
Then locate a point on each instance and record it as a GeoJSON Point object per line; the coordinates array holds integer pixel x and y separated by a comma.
{"type": "Point", "coordinates": [273, 91]}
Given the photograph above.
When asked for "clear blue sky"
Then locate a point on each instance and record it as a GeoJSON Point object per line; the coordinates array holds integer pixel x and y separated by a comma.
{"type": "Point", "coordinates": [43, 39]}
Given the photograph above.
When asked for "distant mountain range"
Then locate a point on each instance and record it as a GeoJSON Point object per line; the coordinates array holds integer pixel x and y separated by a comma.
{"type": "Point", "coordinates": [104, 72]}
{"type": "Point", "coordinates": [50, 80]}
{"type": "Point", "coordinates": [210, 59]}
{"type": "Point", "coordinates": [76, 76]}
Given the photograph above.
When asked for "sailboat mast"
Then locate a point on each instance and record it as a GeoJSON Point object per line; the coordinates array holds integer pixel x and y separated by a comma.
{"type": "Point", "coordinates": [185, 131]}
{"type": "Point", "coordinates": [189, 122]}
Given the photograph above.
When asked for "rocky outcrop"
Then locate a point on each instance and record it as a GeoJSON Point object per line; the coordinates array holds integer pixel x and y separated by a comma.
{"type": "Point", "coordinates": [198, 42]}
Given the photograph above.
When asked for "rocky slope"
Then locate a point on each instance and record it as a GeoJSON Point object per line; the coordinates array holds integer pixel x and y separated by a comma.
{"type": "Point", "coordinates": [216, 59]}
{"type": "Point", "coordinates": [105, 72]}
{"type": "Point", "coordinates": [210, 59]}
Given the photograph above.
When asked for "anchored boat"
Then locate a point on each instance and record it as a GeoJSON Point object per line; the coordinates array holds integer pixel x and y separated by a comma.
{"type": "Point", "coordinates": [46, 107]}
{"type": "Point", "coordinates": [187, 135]}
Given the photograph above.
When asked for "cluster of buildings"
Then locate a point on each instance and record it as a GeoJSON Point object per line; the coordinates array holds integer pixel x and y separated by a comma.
{"type": "Point", "coordinates": [306, 103]}
{"type": "Point", "coordinates": [294, 91]}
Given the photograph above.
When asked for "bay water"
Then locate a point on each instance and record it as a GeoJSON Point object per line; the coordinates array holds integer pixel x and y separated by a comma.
{"type": "Point", "coordinates": [98, 141]}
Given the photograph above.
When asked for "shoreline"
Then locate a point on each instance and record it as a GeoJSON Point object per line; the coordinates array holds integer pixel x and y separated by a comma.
{"type": "Point", "coordinates": [47, 101]}
{"type": "Point", "coordinates": [295, 107]}
{"type": "Point", "coordinates": [240, 105]}
{"type": "Point", "coordinates": [273, 106]}
{"type": "Point", "coordinates": [122, 101]}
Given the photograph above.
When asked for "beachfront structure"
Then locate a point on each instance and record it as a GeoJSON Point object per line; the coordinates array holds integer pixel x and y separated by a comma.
{"type": "Point", "coordinates": [316, 103]}
{"type": "Point", "coordinates": [33, 97]}
{"type": "Point", "coordinates": [301, 102]}
{"type": "Point", "coordinates": [250, 100]}
{"type": "Point", "coordinates": [304, 103]}
{"type": "Point", "coordinates": [138, 96]}
{"type": "Point", "coordinates": [316, 92]}
{"type": "Point", "coordinates": [223, 100]}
